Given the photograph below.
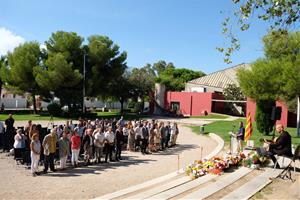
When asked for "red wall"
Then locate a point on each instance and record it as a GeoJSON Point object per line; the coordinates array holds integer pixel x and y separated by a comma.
{"type": "Point", "coordinates": [191, 103]}
{"type": "Point", "coordinates": [251, 107]}
{"type": "Point", "coordinates": [284, 113]}
{"type": "Point", "coordinates": [284, 120]}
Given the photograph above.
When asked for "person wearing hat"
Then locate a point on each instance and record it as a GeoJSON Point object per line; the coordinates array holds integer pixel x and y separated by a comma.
{"type": "Point", "coordinates": [49, 145]}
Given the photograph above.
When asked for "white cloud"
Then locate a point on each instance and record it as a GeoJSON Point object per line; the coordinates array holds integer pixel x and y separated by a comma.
{"type": "Point", "coordinates": [8, 40]}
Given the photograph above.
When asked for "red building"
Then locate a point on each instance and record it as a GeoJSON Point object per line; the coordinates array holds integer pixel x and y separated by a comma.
{"type": "Point", "coordinates": [193, 103]}
{"type": "Point", "coordinates": [204, 95]}
{"type": "Point", "coordinates": [287, 118]}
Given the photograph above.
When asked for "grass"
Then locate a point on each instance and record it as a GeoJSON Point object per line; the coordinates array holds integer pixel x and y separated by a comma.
{"type": "Point", "coordinates": [222, 128]}
{"type": "Point", "coordinates": [128, 116]}
{"type": "Point", "coordinates": [46, 117]}
{"type": "Point", "coordinates": [211, 116]}
{"type": "Point", "coordinates": [26, 117]}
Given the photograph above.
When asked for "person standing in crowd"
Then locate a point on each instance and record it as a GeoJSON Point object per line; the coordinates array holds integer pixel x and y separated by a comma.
{"type": "Point", "coordinates": [138, 135]}
{"type": "Point", "coordinates": [63, 145]}
{"type": "Point", "coordinates": [1, 136]}
{"type": "Point", "coordinates": [49, 145]}
{"type": "Point", "coordinates": [99, 143]}
{"type": "Point", "coordinates": [114, 125]}
{"type": "Point", "coordinates": [19, 145]}
{"type": "Point", "coordinates": [151, 138]}
{"type": "Point", "coordinates": [240, 137]}
{"type": "Point", "coordinates": [121, 122]}
{"type": "Point", "coordinates": [35, 147]}
{"type": "Point", "coordinates": [176, 132]}
{"type": "Point", "coordinates": [145, 138]}
{"type": "Point", "coordinates": [162, 133]}
{"type": "Point", "coordinates": [75, 148]}
{"type": "Point", "coordinates": [119, 142]}
{"type": "Point", "coordinates": [88, 146]}
{"type": "Point", "coordinates": [167, 134]}
{"type": "Point", "coordinates": [10, 131]}
{"type": "Point", "coordinates": [157, 137]}
{"type": "Point", "coordinates": [33, 130]}
{"type": "Point", "coordinates": [109, 144]}
{"type": "Point", "coordinates": [125, 131]}
{"type": "Point", "coordinates": [27, 129]}
{"type": "Point", "coordinates": [131, 138]}
{"type": "Point", "coordinates": [80, 129]}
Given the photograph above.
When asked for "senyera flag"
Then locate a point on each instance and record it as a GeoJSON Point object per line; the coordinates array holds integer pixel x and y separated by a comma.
{"type": "Point", "coordinates": [249, 130]}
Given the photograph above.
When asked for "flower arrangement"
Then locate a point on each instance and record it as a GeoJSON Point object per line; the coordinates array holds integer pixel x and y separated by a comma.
{"type": "Point", "coordinates": [217, 165]}
{"type": "Point", "coordinates": [254, 159]}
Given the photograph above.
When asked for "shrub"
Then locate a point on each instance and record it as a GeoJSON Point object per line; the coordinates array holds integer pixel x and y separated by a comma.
{"type": "Point", "coordinates": [54, 109]}
{"type": "Point", "coordinates": [264, 123]}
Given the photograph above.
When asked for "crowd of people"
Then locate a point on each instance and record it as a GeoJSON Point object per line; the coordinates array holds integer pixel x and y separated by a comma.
{"type": "Point", "coordinates": [98, 141]}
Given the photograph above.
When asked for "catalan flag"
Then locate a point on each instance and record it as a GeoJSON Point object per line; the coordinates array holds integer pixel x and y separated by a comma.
{"type": "Point", "coordinates": [249, 129]}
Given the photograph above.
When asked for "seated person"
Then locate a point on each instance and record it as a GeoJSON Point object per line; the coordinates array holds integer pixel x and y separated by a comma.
{"type": "Point", "coordinates": [282, 145]}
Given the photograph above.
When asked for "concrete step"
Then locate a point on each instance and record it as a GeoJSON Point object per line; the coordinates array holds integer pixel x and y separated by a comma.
{"type": "Point", "coordinates": [184, 187]}
{"type": "Point", "coordinates": [221, 183]}
{"type": "Point", "coordinates": [256, 184]}
{"type": "Point", "coordinates": [160, 188]}
{"type": "Point", "coordinates": [141, 186]}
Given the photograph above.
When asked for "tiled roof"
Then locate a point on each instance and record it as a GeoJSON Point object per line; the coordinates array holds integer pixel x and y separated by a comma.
{"type": "Point", "coordinates": [220, 78]}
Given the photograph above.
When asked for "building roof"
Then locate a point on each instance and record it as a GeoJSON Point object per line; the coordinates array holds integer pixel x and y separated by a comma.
{"type": "Point", "coordinates": [220, 79]}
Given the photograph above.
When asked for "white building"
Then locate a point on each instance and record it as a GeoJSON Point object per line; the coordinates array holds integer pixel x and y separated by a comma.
{"type": "Point", "coordinates": [216, 81]}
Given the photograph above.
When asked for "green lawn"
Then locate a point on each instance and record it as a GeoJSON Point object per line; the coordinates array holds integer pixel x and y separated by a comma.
{"type": "Point", "coordinates": [128, 116]}
{"type": "Point", "coordinates": [223, 127]}
{"type": "Point", "coordinates": [46, 117]}
{"type": "Point", "coordinates": [211, 116]}
{"type": "Point", "coordinates": [26, 117]}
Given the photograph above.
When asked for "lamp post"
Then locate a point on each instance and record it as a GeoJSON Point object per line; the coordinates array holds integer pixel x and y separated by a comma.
{"type": "Point", "coordinates": [83, 89]}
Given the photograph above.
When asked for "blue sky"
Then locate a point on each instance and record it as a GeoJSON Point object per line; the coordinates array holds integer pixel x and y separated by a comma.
{"type": "Point", "coordinates": [185, 32]}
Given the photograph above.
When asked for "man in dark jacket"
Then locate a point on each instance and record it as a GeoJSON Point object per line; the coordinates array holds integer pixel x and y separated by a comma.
{"type": "Point", "coordinates": [145, 138]}
{"type": "Point", "coordinates": [119, 142]}
{"type": "Point", "coordinates": [10, 132]}
{"type": "Point", "coordinates": [282, 145]}
{"type": "Point", "coordinates": [88, 146]}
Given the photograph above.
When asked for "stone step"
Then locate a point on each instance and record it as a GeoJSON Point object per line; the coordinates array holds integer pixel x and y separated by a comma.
{"type": "Point", "coordinates": [183, 188]}
{"type": "Point", "coordinates": [160, 188]}
{"type": "Point", "coordinates": [221, 183]}
{"type": "Point", "coordinates": [141, 186]}
{"type": "Point", "coordinates": [256, 184]}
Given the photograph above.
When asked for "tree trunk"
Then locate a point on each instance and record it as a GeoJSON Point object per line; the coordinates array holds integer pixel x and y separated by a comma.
{"type": "Point", "coordinates": [34, 103]}
{"type": "Point", "coordinates": [122, 105]}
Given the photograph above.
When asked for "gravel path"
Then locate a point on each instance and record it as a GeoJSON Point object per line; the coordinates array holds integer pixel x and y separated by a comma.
{"type": "Point", "coordinates": [97, 180]}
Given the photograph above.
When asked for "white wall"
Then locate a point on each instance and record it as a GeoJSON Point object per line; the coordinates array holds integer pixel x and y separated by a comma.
{"type": "Point", "coordinates": [14, 103]}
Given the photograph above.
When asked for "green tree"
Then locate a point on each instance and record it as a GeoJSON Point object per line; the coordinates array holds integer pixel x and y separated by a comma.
{"type": "Point", "coordinates": [275, 77]}
{"type": "Point", "coordinates": [280, 14]}
{"type": "Point", "coordinates": [19, 74]}
{"type": "Point", "coordinates": [262, 83]}
{"type": "Point", "coordinates": [264, 123]}
{"type": "Point", "coordinates": [61, 73]}
{"type": "Point", "coordinates": [176, 78]}
{"type": "Point", "coordinates": [105, 64]}
{"type": "Point", "coordinates": [121, 89]}
{"type": "Point", "coordinates": [61, 78]}
{"type": "Point", "coordinates": [233, 92]}
{"type": "Point", "coordinates": [142, 80]}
